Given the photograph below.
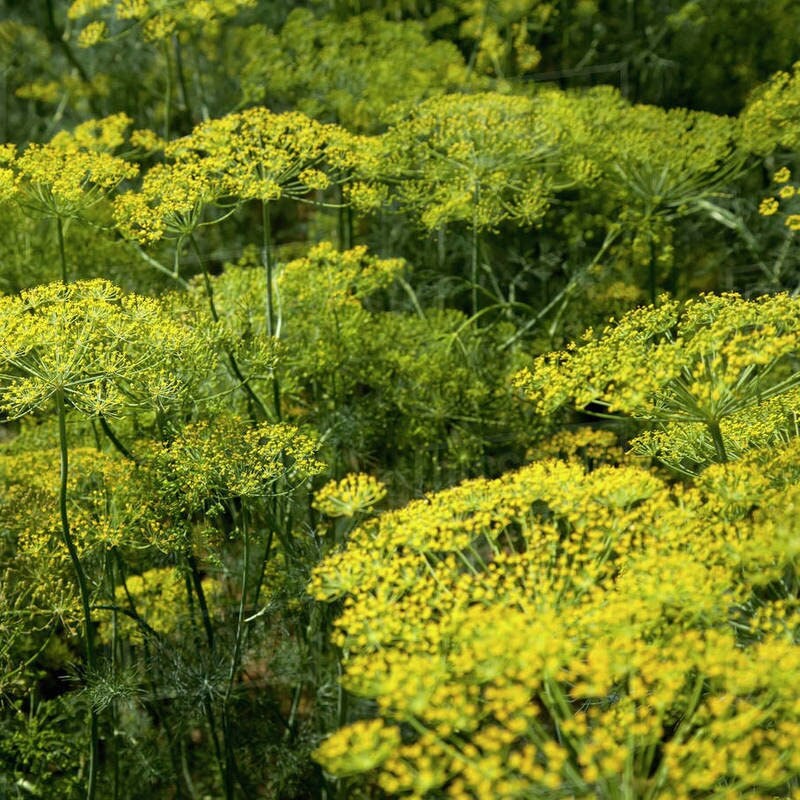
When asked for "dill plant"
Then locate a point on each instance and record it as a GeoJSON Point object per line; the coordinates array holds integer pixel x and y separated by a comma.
{"type": "Point", "coordinates": [563, 632]}
{"type": "Point", "coordinates": [86, 347]}
{"type": "Point", "coordinates": [63, 179]}
{"type": "Point", "coordinates": [413, 393]}
{"type": "Point", "coordinates": [255, 155]}
{"type": "Point", "coordinates": [714, 376]}
{"type": "Point", "coordinates": [476, 160]}
{"type": "Point", "coordinates": [352, 72]}
{"type": "Point", "coordinates": [66, 346]}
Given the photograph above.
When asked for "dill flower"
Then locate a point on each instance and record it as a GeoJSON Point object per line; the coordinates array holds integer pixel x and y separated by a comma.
{"type": "Point", "coordinates": [43, 91]}
{"type": "Point", "coordinates": [75, 170]}
{"type": "Point", "coordinates": [354, 494]}
{"type": "Point", "coordinates": [92, 34]}
{"type": "Point", "coordinates": [768, 207]}
{"type": "Point", "coordinates": [252, 155]}
{"type": "Point", "coordinates": [782, 175]}
{"type": "Point", "coordinates": [80, 8]}
{"type": "Point", "coordinates": [564, 629]}
{"type": "Point", "coordinates": [363, 746]}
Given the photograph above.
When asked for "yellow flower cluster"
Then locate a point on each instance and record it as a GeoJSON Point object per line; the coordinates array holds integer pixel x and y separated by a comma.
{"type": "Point", "coordinates": [477, 159]}
{"type": "Point", "coordinates": [252, 155]}
{"type": "Point", "coordinates": [107, 352]}
{"type": "Point", "coordinates": [353, 495]}
{"type": "Point", "coordinates": [108, 509]}
{"type": "Point", "coordinates": [72, 172]}
{"type": "Point", "coordinates": [557, 632]}
{"type": "Point", "coordinates": [770, 119]}
{"type": "Point", "coordinates": [158, 19]}
{"type": "Point", "coordinates": [715, 360]}
{"type": "Point", "coordinates": [216, 460]}
{"type": "Point", "coordinates": [662, 161]}
{"type": "Point", "coordinates": [592, 446]}
{"type": "Point", "coordinates": [93, 34]}
{"type": "Point", "coordinates": [787, 192]}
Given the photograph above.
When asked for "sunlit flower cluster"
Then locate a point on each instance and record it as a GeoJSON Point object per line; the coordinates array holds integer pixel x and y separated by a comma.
{"type": "Point", "coordinates": [72, 172]}
{"type": "Point", "coordinates": [558, 632]}
{"type": "Point", "coordinates": [158, 19]}
{"type": "Point", "coordinates": [354, 494]}
{"type": "Point", "coordinates": [783, 200]}
{"type": "Point", "coordinates": [253, 155]}
{"type": "Point", "coordinates": [701, 367]}
{"type": "Point", "coordinates": [108, 353]}
{"type": "Point", "coordinates": [217, 460]}
{"type": "Point", "coordinates": [477, 159]}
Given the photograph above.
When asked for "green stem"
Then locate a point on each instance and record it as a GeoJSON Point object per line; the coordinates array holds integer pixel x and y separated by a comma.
{"type": "Point", "coordinates": [266, 259]}
{"type": "Point", "coordinates": [651, 272]}
{"type": "Point", "coordinates": [182, 80]}
{"type": "Point", "coordinates": [167, 90]}
{"type": "Point", "coordinates": [264, 562]}
{"type": "Point", "coordinates": [197, 585]}
{"type": "Point", "coordinates": [719, 443]}
{"type": "Point", "coordinates": [231, 768]}
{"type": "Point", "coordinates": [474, 260]}
{"type": "Point", "coordinates": [83, 587]}
{"type": "Point", "coordinates": [115, 440]}
{"type": "Point", "coordinates": [289, 732]}
{"type": "Point", "coordinates": [61, 250]}
{"type": "Point", "coordinates": [341, 221]}
{"type": "Point", "coordinates": [255, 399]}
{"type": "Point", "coordinates": [114, 645]}
{"type": "Point", "coordinates": [170, 273]}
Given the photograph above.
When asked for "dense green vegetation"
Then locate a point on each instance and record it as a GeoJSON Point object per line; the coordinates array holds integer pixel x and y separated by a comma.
{"type": "Point", "coordinates": [399, 398]}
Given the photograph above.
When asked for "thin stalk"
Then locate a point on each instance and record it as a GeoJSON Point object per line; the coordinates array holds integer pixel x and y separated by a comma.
{"type": "Point", "coordinates": [167, 90]}
{"type": "Point", "coordinates": [264, 562]}
{"type": "Point", "coordinates": [474, 258]}
{"type": "Point", "coordinates": [255, 399]}
{"type": "Point", "coordinates": [266, 259]}
{"type": "Point", "coordinates": [193, 582]}
{"type": "Point", "coordinates": [298, 690]}
{"type": "Point", "coordinates": [182, 80]}
{"type": "Point", "coordinates": [114, 646]}
{"type": "Point", "coordinates": [719, 443]}
{"type": "Point", "coordinates": [651, 272]}
{"type": "Point", "coordinates": [197, 584]}
{"type": "Point", "coordinates": [348, 226]}
{"type": "Point", "coordinates": [187, 776]}
{"type": "Point", "coordinates": [341, 222]}
{"type": "Point", "coordinates": [230, 757]}
{"type": "Point", "coordinates": [112, 437]}
{"type": "Point", "coordinates": [61, 250]}
{"type": "Point", "coordinates": [83, 587]}
{"type": "Point", "coordinates": [170, 273]}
